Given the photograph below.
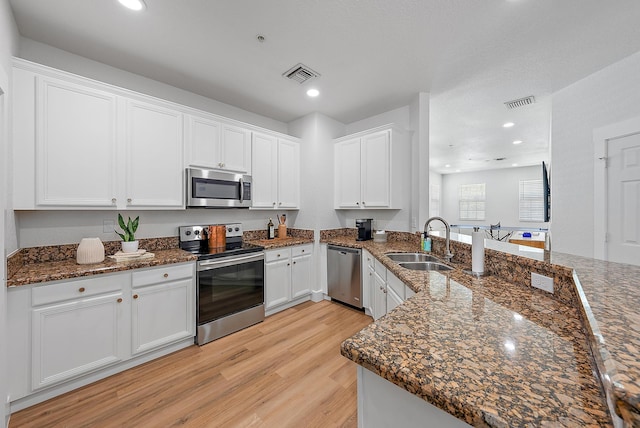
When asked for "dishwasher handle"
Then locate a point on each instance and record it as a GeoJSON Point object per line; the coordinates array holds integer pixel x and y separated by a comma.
{"type": "Point", "coordinates": [344, 250]}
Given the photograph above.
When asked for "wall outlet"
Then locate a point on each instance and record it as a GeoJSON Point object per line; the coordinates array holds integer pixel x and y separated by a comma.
{"type": "Point", "coordinates": [108, 226]}
{"type": "Point", "coordinates": [542, 282]}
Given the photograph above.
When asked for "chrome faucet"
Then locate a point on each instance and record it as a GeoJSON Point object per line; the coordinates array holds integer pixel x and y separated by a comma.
{"type": "Point", "coordinates": [448, 255]}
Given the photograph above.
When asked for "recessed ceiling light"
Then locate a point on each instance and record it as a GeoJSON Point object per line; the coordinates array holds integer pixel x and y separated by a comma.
{"type": "Point", "coordinates": [133, 4]}
{"type": "Point", "coordinates": [508, 125]}
{"type": "Point", "coordinates": [447, 166]}
{"type": "Point", "coordinates": [514, 164]}
{"type": "Point", "coordinates": [313, 93]}
{"type": "Point", "coordinates": [457, 170]}
{"type": "Point", "coordinates": [517, 142]}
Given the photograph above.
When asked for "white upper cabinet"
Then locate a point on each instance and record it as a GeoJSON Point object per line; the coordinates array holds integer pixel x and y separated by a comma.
{"type": "Point", "coordinates": [235, 149]}
{"type": "Point", "coordinates": [203, 142]}
{"type": "Point", "coordinates": [84, 144]}
{"type": "Point", "coordinates": [275, 172]}
{"type": "Point", "coordinates": [372, 170]}
{"type": "Point", "coordinates": [347, 174]}
{"type": "Point", "coordinates": [153, 156]}
{"type": "Point", "coordinates": [75, 145]}
{"type": "Point", "coordinates": [216, 145]}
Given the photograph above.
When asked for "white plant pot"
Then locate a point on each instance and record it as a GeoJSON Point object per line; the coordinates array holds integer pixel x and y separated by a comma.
{"type": "Point", "coordinates": [129, 247]}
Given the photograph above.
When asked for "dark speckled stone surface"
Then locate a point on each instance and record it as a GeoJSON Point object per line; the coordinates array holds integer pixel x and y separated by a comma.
{"type": "Point", "coordinates": [488, 351]}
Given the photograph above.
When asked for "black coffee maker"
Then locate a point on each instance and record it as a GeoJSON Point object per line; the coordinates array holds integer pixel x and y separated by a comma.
{"type": "Point", "coordinates": [364, 229]}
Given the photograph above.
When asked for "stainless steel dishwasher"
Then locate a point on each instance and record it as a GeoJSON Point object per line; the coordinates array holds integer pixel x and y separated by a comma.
{"type": "Point", "coordinates": [343, 275]}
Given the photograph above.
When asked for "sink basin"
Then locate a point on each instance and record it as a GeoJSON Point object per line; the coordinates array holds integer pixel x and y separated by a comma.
{"type": "Point", "coordinates": [425, 266]}
{"type": "Point", "coordinates": [411, 257]}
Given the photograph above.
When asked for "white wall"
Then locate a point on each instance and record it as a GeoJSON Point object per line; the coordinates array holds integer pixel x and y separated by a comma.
{"type": "Point", "coordinates": [608, 96]}
{"type": "Point", "coordinates": [8, 47]}
{"type": "Point", "coordinates": [501, 191]}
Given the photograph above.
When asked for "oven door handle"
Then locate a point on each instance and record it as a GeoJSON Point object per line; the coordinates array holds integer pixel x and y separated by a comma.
{"type": "Point", "coordinates": [215, 264]}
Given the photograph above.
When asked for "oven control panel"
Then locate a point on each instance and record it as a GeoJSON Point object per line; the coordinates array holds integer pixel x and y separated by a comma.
{"type": "Point", "coordinates": [199, 233]}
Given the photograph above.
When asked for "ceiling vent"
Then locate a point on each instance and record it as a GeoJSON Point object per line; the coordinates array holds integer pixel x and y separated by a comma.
{"type": "Point", "coordinates": [521, 102]}
{"type": "Point", "coordinates": [300, 73]}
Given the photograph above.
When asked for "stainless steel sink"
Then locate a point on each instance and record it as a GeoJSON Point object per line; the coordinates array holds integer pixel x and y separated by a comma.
{"type": "Point", "coordinates": [411, 257]}
{"type": "Point", "coordinates": [425, 266]}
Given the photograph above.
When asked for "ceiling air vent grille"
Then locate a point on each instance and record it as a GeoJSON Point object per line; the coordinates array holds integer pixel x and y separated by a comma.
{"type": "Point", "coordinates": [300, 73]}
{"type": "Point", "coordinates": [521, 102]}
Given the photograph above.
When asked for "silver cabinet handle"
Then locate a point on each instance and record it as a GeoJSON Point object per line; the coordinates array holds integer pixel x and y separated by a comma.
{"type": "Point", "coordinates": [113, 200]}
{"type": "Point", "coordinates": [128, 200]}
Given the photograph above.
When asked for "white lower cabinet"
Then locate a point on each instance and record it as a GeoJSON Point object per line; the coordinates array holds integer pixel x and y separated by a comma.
{"type": "Point", "coordinates": [73, 338]}
{"type": "Point", "coordinates": [67, 334]}
{"type": "Point", "coordinates": [287, 277]}
{"type": "Point", "coordinates": [162, 307]}
{"type": "Point", "coordinates": [382, 290]}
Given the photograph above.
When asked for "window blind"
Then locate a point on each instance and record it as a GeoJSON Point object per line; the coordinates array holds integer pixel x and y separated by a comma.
{"type": "Point", "coordinates": [471, 199]}
{"type": "Point", "coordinates": [531, 201]}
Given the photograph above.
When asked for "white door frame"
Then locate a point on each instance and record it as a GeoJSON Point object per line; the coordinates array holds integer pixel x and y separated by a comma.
{"type": "Point", "coordinates": [601, 138]}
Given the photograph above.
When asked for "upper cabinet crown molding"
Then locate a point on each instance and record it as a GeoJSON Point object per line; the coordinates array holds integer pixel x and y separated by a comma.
{"type": "Point", "coordinates": [372, 169]}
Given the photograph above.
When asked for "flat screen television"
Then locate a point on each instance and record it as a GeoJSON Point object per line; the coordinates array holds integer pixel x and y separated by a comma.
{"type": "Point", "coordinates": [546, 192]}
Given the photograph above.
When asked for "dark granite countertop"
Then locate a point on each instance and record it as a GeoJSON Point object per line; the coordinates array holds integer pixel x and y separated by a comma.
{"type": "Point", "coordinates": [34, 273]}
{"type": "Point", "coordinates": [281, 242]}
{"type": "Point", "coordinates": [489, 352]}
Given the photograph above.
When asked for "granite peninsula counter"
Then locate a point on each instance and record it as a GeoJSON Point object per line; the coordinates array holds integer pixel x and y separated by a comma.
{"type": "Point", "coordinates": [482, 349]}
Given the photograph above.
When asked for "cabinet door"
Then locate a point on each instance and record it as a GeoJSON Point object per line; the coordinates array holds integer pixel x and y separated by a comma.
{"type": "Point", "coordinates": [277, 283]}
{"type": "Point", "coordinates": [235, 149]}
{"type": "Point", "coordinates": [75, 145]}
{"type": "Point", "coordinates": [380, 297]}
{"type": "Point", "coordinates": [376, 166]}
{"type": "Point", "coordinates": [154, 156]}
{"type": "Point", "coordinates": [162, 314]}
{"type": "Point", "coordinates": [393, 300]}
{"type": "Point", "coordinates": [78, 337]}
{"type": "Point", "coordinates": [288, 174]}
{"type": "Point", "coordinates": [203, 142]}
{"type": "Point", "coordinates": [264, 171]}
{"type": "Point", "coordinates": [300, 276]}
{"type": "Point", "coordinates": [368, 290]}
{"type": "Point", "coordinates": [347, 174]}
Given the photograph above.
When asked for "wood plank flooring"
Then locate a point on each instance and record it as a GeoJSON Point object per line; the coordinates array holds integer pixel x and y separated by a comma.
{"type": "Point", "coordinates": [284, 372]}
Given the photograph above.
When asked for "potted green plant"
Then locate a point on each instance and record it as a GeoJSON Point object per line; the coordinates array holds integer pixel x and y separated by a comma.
{"type": "Point", "coordinates": [129, 242]}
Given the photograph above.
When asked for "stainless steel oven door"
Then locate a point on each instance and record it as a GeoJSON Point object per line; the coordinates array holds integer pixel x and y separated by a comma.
{"type": "Point", "coordinates": [217, 189]}
{"type": "Point", "coordinates": [230, 286]}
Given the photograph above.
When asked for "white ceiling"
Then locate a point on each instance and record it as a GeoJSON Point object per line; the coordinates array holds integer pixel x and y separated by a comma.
{"type": "Point", "coordinates": [373, 56]}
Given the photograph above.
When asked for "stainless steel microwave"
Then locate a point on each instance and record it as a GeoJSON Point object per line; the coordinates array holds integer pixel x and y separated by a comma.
{"type": "Point", "coordinates": [207, 188]}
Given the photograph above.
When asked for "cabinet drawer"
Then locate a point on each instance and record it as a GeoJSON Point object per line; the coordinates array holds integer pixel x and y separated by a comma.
{"type": "Point", "coordinates": [278, 254]}
{"type": "Point", "coordinates": [162, 274]}
{"type": "Point", "coordinates": [301, 250]}
{"type": "Point", "coordinates": [60, 292]}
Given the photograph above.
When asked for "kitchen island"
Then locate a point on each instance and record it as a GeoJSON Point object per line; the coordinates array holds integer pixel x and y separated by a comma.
{"type": "Point", "coordinates": [484, 350]}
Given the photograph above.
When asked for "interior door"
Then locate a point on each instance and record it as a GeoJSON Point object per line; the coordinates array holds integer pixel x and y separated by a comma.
{"type": "Point", "coordinates": [623, 199]}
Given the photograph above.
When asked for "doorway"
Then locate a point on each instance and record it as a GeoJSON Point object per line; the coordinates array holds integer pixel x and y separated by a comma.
{"type": "Point", "coordinates": [617, 192]}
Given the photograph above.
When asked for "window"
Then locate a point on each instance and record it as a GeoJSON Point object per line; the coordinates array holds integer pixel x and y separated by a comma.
{"type": "Point", "coordinates": [472, 200]}
{"type": "Point", "coordinates": [434, 200]}
{"type": "Point", "coordinates": [531, 201]}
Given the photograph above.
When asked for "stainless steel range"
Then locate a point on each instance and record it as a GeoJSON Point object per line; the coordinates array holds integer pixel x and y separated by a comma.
{"type": "Point", "coordinates": [230, 282]}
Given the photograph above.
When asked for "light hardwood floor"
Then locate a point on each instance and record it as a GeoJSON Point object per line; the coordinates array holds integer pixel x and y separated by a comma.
{"type": "Point", "coordinates": [284, 372]}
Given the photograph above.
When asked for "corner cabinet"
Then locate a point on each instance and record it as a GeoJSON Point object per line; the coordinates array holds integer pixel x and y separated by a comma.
{"type": "Point", "coordinates": [276, 172]}
{"type": "Point", "coordinates": [217, 145]}
{"type": "Point", "coordinates": [371, 169]}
